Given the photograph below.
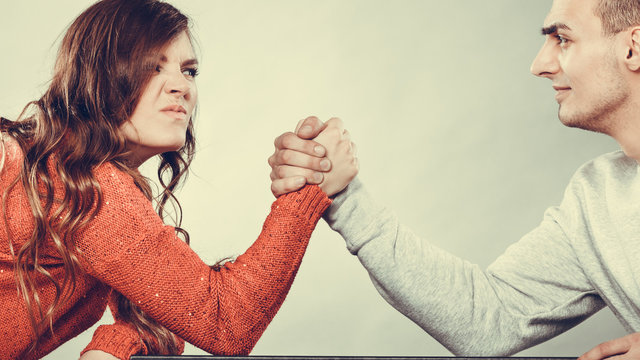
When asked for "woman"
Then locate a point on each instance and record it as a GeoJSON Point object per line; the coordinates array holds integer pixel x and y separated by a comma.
{"type": "Point", "coordinates": [79, 231]}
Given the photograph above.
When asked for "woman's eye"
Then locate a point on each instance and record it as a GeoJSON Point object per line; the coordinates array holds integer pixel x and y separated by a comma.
{"type": "Point", "coordinates": [158, 68]}
{"type": "Point", "coordinates": [191, 72]}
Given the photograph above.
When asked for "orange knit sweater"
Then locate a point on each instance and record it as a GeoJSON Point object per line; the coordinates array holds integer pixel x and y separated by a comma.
{"type": "Point", "coordinates": [128, 248]}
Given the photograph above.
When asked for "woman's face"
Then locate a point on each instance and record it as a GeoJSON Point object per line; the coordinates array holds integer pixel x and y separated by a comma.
{"type": "Point", "coordinates": [159, 121]}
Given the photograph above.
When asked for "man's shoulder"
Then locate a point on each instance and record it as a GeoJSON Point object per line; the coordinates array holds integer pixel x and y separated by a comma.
{"type": "Point", "coordinates": [613, 167]}
{"type": "Point", "coordinates": [611, 162]}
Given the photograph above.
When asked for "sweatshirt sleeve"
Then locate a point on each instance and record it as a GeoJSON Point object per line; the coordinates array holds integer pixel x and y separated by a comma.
{"type": "Point", "coordinates": [221, 311]}
{"type": "Point", "coordinates": [534, 291]}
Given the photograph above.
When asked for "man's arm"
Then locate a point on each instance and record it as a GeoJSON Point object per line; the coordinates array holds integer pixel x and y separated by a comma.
{"type": "Point", "coordinates": [533, 292]}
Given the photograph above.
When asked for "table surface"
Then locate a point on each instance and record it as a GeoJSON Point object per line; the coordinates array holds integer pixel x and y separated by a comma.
{"type": "Point", "coordinates": [273, 357]}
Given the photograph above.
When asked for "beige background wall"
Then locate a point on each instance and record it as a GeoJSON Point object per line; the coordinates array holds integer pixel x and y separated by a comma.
{"type": "Point", "coordinates": [453, 132]}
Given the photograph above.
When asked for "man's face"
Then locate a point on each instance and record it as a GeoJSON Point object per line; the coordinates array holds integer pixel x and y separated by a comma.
{"type": "Point", "coordinates": [583, 65]}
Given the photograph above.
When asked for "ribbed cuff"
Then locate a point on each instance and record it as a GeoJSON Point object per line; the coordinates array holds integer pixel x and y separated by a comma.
{"type": "Point", "coordinates": [310, 202]}
{"type": "Point", "coordinates": [119, 341]}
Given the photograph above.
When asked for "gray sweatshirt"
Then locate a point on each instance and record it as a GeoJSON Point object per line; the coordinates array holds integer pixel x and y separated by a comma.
{"type": "Point", "coordinates": [584, 255]}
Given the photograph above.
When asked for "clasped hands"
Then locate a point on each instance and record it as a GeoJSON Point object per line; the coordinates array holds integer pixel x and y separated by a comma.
{"type": "Point", "coordinates": [315, 153]}
{"type": "Point", "coordinates": [322, 153]}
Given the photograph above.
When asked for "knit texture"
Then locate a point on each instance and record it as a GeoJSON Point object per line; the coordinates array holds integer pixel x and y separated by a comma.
{"type": "Point", "coordinates": [583, 256]}
{"type": "Point", "coordinates": [128, 248]}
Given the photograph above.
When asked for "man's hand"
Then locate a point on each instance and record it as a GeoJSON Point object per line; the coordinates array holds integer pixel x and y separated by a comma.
{"type": "Point", "coordinates": [342, 153]}
{"type": "Point", "coordinates": [298, 160]}
{"type": "Point", "coordinates": [626, 347]}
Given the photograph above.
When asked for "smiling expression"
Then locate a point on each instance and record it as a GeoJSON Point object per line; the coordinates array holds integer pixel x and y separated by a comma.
{"type": "Point", "coordinates": [582, 63]}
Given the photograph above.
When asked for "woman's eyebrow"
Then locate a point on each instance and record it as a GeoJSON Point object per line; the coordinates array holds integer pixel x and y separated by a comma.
{"type": "Point", "coordinates": [190, 62]}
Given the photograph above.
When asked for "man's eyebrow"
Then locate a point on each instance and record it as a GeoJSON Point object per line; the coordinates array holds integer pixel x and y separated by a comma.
{"type": "Point", "coordinates": [553, 28]}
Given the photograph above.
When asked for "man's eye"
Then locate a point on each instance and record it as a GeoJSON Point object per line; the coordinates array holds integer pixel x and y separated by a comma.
{"type": "Point", "coordinates": [561, 39]}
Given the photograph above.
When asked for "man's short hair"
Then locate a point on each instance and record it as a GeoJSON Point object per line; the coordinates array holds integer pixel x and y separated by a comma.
{"type": "Point", "coordinates": [618, 15]}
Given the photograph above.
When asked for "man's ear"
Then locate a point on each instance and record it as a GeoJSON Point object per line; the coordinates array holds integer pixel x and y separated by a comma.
{"type": "Point", "coordinates": [632, 59]}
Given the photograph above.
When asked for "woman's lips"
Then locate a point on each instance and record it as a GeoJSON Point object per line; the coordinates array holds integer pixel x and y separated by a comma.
{"type": "Point", "coordinates": [175, 111]}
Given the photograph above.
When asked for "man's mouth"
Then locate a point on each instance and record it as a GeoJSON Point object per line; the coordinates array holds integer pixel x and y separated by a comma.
{"type": "Point", "coordinates": [561, 92]}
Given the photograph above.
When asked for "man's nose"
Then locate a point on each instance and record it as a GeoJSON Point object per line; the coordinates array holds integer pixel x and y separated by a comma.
{"type": "Point", "coordinates": [546, 63]}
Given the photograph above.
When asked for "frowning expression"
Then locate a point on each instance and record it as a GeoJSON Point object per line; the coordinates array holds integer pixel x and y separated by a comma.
{"type": "Point", "coordinates": [159, 121]}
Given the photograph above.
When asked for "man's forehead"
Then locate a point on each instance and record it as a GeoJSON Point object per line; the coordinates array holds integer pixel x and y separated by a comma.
{"type": "Point", "coordinates": [572, 14]}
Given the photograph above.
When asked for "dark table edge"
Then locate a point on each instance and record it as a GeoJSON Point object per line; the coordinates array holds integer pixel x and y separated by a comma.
{"type": "Point", "coordinates": [289, 357]}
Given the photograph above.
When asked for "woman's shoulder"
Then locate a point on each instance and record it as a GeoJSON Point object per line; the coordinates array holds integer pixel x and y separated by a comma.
{"type": "Point", "coordinates": [111, 176]}
{"type": "Point", "coordinates": [118, 185]}
{"type": "Point", "coordinates": [123, 205]}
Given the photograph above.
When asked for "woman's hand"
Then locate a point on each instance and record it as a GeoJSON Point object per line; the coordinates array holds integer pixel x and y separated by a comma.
{"type": "Point", "coordinates": [97, 355]}
{"type": "Point", "coordinates": [298, 160]}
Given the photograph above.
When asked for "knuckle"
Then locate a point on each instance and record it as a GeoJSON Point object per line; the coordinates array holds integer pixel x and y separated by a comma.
{"type": "Point", "coordinates": [289, 185]}
{"type": "Point", "coordinates": [278, 142]}
{"type": "Point", "coordinates": [344, 146]}
{"type": "Point", "coordinates": [336, 121]}
{"type": "Point", "coordinates": [280, 172]}
{"type": "Point", "coordinates": [275, 189]}
{"type": "Point", "coordinates": [287, 140]}
{"type": "Point", "coordinates": [333, 132]}
{"type": "Point", "coordinates": [311, 119]}
{"type": "Point", "coordinates": [284, 156]}
{"type": "Point", "coordinates": [603, 348]}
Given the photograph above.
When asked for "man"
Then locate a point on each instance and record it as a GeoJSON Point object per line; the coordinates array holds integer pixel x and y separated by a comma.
{"type": "Point", "coordinates": [582, 257]}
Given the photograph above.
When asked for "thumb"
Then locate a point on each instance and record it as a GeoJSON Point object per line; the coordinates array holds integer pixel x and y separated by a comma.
{"type": "Point", "coordinates": [309, 128]}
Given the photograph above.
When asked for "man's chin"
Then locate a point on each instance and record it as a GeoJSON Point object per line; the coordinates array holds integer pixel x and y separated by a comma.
{"type": "Point", "coordinates": [579, 121]}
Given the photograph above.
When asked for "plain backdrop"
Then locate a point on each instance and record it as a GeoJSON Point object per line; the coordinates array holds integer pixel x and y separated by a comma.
{"type": "Point", "coordinates": [453, 133]}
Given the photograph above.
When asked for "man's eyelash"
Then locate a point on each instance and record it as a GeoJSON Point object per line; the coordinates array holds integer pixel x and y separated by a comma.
{"type": "Point", "coordinates": [561, 39]}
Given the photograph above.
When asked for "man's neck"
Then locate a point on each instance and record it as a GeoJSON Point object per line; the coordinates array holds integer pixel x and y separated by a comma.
{"type": "Point", "coordinates": [627, 135]}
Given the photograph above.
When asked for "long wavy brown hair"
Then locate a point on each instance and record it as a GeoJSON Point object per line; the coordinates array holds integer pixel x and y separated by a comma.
{"type": "Point", "coordinates": [106, 58]}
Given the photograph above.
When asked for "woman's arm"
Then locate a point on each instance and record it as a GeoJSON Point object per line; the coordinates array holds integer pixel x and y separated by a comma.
{"type": "Point", "coordinates": [121, 339]}
{"type": "Point", "coordinates": [222, 312]}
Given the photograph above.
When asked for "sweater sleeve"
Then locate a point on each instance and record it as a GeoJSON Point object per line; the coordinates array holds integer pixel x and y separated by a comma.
{"type": "Point", "coordinates": [120, 339]}
{"type": "Point", "coordinates": [534, 291]}
{"type": "Point", "coordinates": [221, 311]}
